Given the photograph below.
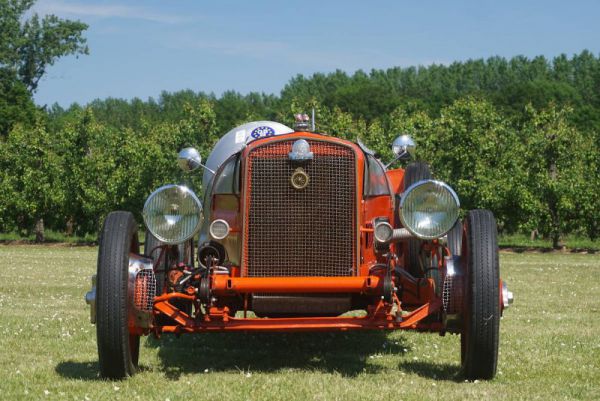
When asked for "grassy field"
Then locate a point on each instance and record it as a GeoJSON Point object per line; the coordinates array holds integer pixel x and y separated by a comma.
{"type": "Point", "coordinates": [572, 243]}
{"type": "Point", "coordinates": [550, 344]}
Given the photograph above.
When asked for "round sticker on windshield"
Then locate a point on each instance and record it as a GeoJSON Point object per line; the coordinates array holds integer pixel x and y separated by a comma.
{"type": "Point", "coordinates": [261, 132]}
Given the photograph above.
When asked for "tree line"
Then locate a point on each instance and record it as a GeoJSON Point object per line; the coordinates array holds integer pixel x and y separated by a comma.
{"type": "Point", "coordinates": [519, 136]}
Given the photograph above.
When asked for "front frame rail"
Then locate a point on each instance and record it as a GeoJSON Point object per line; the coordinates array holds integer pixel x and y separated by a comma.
{"type": "Point", "coordinates": [221, 321]}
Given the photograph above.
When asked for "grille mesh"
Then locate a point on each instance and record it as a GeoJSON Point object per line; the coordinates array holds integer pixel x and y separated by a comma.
{"type": "Point", "coordinates": [452, 294]}
{"type": "Point", "coordinates": [300, 232]}
{"type": "Point", "coordinates": [144, 290]}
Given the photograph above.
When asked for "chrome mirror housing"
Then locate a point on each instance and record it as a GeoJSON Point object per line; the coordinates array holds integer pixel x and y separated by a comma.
{"type": "Point", "coordinates": [189, 159]}
{"type": "Point", "coordinates": [404, 146]}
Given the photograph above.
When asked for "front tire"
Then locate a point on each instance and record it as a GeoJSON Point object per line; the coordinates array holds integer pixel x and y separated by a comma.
{"type": "Point", "coordinates": [455, 238]}
{"type": "Point", "coordinates": [118, 349]}
{"type": "Point", "coordinates": [481, 309]}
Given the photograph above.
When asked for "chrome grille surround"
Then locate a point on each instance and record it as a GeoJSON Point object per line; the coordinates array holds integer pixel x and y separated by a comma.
{"type": "Point", "coordinates": [300, 232]}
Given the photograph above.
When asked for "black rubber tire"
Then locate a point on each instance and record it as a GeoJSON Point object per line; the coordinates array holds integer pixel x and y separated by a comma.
{"type": "Point", "coordinates": [481, 308]}
{"type": "Point", "coordinates": [455, 238]}
{"type": "Point", "coordinates": [118, 351]}
{"type": "Point", "coordinates": [414, 172]}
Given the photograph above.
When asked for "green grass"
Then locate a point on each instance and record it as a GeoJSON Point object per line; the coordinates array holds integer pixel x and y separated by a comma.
{"type": "Point", "coordinates": [550, 344]}
{"type": "Point", "coordinates": [51, 237]}
{"type": "Point", "coordinates": [571, 242]}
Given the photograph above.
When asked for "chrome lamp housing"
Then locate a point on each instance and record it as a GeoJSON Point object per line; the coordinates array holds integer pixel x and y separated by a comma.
{"type": "Point", "coordinates": [189, 159]}
{"type": "Point", "coordinates": [403, 148]}
{"type": "Point", "coordinates": [404, 145]}
{"type": "Point", "coordinates": [429, 209]}
{"type": "Point", "coordinates": [173, 214]}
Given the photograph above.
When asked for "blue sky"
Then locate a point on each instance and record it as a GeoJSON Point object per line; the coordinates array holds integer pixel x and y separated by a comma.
{"type": "Point", "coordinates": [140, 48]}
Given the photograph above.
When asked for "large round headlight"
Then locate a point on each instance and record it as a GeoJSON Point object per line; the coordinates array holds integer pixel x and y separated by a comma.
{"type": "Point", "coordinates": [173, 214]}
{"type": "Point", "coordinates": [429, 209]}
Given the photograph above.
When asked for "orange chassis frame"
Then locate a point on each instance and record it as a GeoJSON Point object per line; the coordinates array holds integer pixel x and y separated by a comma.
{"type": "Point", "coordinates": [380, 316]}
{"type": "Point", "coordinates": [218, 319]}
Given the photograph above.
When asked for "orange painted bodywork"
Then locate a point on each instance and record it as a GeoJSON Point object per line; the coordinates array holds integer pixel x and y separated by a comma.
{"type": "Point", "coordinates": [419, 299]}
{"type": "Point", "coordinates": [372, 207]}
{"type": "Point", "coordinates": [224, 285]}
{"type": "Point", "coordinates": [396, 178]}
{"type": "Point", "coordinates": [228, 210]}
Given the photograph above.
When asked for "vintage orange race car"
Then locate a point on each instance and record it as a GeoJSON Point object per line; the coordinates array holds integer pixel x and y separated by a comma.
{"type": "Point", "coordinates": [299, 231]}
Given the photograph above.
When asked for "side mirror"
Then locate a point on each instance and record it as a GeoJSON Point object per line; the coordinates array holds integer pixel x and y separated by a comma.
{"type": "Point", "coordinates": [404, 146]}
{"type": "Point", "coordinates": [189, 159]}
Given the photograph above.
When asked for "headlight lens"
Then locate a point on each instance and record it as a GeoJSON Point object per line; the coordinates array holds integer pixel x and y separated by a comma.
{"type": "Point", "coordinates": [173, 214]}
{"type": "Point", "coordinates": [429, 209]}
{"type": "Point", "coordinates": [383, 232]}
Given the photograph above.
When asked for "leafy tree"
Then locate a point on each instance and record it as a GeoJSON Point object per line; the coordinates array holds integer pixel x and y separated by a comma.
{"type": "Point", "coordinates": [488, 127]}
{"type": "Point", "coordinates": [471, 147]}
{"type": "Point", "coordinates": [198, 127]}
{"type": "Point", "coordinates": [30, 176]}
{"type": "Point", "coordinates": [105, 168]}
{"type": "Point", "coordinates": [29, 46]}
{"type": "Point", "coordinates": [16, 105]}
{"type": "Point", "coordinates": [558, 172]}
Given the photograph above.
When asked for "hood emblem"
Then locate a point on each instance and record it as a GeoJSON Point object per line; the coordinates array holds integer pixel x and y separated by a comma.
{"type": "Point", "coordinates": [299, 179]}
{"type": "Point", "coordinates": [301, 151]}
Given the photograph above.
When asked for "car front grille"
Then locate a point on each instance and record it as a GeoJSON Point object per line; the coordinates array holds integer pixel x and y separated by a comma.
{"type": "Point", "coordinates": [300, 232]}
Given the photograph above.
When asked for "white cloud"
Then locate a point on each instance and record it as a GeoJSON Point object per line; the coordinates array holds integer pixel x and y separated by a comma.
{"type": "Point", "coordinates": [74, 9]}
